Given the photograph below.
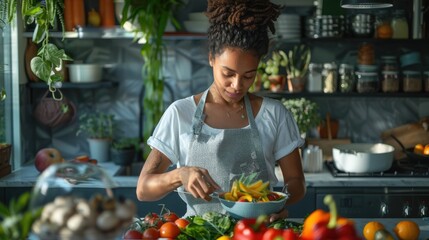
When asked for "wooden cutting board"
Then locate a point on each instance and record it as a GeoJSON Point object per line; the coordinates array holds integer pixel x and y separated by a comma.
{"type": "Point", "coordinates": [408, 134]}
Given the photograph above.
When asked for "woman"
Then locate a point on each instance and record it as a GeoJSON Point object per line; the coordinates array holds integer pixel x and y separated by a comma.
{"type": "Point", "coordinates": [217, 135]}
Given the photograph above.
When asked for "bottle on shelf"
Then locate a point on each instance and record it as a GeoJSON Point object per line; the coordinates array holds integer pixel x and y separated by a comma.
{"type": "Point", "coordinates": [400, 25]}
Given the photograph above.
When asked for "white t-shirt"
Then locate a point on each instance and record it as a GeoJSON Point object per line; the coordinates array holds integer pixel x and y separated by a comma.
{"type": "Point", "coordinates": [277, 129]}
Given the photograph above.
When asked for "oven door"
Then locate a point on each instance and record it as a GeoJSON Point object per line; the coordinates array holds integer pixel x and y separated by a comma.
{"type": "Point", "coordinates": [360, 202]}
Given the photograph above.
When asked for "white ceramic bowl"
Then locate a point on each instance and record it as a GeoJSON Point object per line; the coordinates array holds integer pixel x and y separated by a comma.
{"type": "Point", "coordinates": [363, 157]}
{"type": "Point", "coordinates": [241, 210]}
{"type": "Point", "coordinates": [85, 73]}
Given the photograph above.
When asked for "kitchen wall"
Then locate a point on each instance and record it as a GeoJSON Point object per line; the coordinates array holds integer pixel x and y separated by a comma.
{"type": "Point", "coordinates": [187, 72]}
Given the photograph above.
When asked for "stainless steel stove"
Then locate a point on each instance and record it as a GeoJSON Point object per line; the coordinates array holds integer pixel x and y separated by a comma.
{"type": "Point", "coordinates": [402, 168]}
{"type": "Point", "coordinates": [393, 201]}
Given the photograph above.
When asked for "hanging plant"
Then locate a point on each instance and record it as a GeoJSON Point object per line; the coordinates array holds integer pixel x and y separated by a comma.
{"type": "Point", "coordinates": [48, 62]}
{"type": "Point", "coordinates": [151, 18]}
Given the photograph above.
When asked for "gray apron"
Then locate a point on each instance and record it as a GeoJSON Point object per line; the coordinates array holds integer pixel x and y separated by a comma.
{"type": "Point", "coordinates": [225, 155]}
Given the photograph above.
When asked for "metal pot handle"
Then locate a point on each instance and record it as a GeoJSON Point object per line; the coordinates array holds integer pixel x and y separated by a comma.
{"type": "Point", "coordinates": [399, 142]}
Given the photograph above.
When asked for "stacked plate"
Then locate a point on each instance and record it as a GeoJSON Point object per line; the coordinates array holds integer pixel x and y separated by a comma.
{"type": "Point", "coordinates": [197, 23]}
{"type": "Point", "coordinates": [325, 26]}
{"type": "Point", "coordinates": [288, 26]}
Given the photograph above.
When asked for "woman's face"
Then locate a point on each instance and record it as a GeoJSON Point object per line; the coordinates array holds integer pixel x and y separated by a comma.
{"type": "Point", "coordinates": [234, 72]}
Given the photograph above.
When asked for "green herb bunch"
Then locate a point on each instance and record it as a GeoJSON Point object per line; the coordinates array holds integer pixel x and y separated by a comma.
{"type": "Point", "coordinates": [305, 112]}
{"type": "Point", "coordinates": [97, 125]}
{"type": "Point", "coordinates": [17, 218]}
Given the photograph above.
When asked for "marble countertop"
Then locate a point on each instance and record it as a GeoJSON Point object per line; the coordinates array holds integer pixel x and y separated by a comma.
{"type": "Point", "coordinates": [27, 176]}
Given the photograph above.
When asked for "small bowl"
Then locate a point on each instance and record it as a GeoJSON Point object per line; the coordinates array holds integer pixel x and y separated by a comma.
{"type": "Point", "coordinates": [241, 210]}
{"type": "Point", "coordinates": [85, 73]}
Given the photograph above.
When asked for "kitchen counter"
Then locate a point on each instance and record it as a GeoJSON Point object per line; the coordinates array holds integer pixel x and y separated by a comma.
{"type": "Point", "coordinates": [27, 176]}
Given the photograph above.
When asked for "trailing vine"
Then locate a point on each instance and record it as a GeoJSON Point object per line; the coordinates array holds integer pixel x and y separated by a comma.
{"type": "Point", "coordinates": [48, 62]}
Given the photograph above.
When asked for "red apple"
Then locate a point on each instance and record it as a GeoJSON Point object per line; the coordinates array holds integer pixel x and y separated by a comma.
{"type": "Point", "coordinates": [45, 157]}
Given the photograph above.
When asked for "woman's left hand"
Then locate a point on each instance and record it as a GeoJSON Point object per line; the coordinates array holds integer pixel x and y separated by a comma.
{"type": "Point", "coordinates": [279, 215]}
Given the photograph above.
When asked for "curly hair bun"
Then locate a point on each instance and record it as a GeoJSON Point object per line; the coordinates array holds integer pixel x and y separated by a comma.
{"type": "Point", "coordinates": [247, 14]}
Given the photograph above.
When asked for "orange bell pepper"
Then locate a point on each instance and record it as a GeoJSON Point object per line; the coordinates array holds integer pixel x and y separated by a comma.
{"type": "Point", "coordinates": [327, 225]}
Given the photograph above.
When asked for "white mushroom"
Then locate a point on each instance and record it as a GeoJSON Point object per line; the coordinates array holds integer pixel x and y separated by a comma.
{"type": "Point", "coordinates": [47, 211]}
{"type": "Point", "coordinates": [124, 212]}
{"type": "Point", "coordinates": [77, 222]}
{"type": "Point", "coordinates": [63, 201]}
{"type": "Point", "coordinates": [45, 230]}
{"type": "Point", "coordinates": [60, 215]}
{"type": "Point", "coordinates": [83, 208]}
{"type": "Point", "coordinates": [107, 221]}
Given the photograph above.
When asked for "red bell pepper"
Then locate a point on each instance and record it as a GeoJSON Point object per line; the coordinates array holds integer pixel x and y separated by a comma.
{"type": "Point", "coordinates": [251, 228]}
{"type": "Point", "coordinates": [280, 234]}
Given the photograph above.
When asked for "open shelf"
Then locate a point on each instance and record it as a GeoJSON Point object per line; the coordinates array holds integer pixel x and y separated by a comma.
{"type": "Point", "coordinates": [70, 85]}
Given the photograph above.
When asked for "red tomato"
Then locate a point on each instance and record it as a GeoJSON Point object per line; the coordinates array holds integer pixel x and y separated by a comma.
{"type": "Point", "coordinates": [289, 234]}
{"type": "Point", "coordinates": [272, 233]}
{"type": "Point", "coordinates": [150, 233]}
{"type": "Point", "coordinates": [169, 230]}
{"type": "Point", "coordinates": [181, 223]}
{"type": "Point", "coordinates": [133, 234]}
{"type": "Point", "coordinates": [170, 217]}
{"type": "Point", "coordinates": [153, 220]}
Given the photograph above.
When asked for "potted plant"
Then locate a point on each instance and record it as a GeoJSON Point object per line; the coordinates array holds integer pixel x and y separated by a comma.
{"type": "Point", "coordinates": [297, 61]}
{"type": "Point", "coordinates": [123, 150]}
{"type": "Point", "coordinates": [305, 112]}
{"type": "Point", "coordinates": [48, 62]}
{"type": "Point", "coordinates": [98, 127]}
{"type": "Point", "coordinates": [269, 74]}
{"type": "Point", "coordinates": [151, 18]}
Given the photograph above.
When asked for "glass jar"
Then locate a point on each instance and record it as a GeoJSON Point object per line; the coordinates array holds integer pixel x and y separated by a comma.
{"type": "Point", "coordinates": [389, 81]}
{"type": "Point", "coordinates": [314, 83]}
{"type": "Point", "coordinates": [426, 81]}
{"type": "Point", "coordinates": [329, 78]}
{"type": "Point", "coordinates": [389, 63]}
{"type": "Point", "coordinates": [367, 82]}
{"type": "Point", "coordinates": [347, 77]}
{"type": "Point", "coordinates": [412, 81]}
{"type": "Point", "coordinates": [399, 25]}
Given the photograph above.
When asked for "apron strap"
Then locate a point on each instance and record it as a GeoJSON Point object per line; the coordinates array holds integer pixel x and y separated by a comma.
{"type": "Point", "coordinates": [198, 120]}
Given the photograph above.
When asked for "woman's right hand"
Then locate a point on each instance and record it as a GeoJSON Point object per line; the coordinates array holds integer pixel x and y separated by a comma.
{"type": "Point", "coordinates": [198, 182]}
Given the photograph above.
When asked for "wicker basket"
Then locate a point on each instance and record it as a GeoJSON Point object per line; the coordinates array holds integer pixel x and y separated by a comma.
{"type": "Point", "coordinates": [5, 152]}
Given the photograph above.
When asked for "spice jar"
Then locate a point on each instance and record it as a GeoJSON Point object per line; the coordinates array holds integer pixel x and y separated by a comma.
{"type": "Point", "coordinates": [329, 78]}
{"type": "Point", "coordinates": [389, 63]}
{"type": "Point", "coordinates": [314, 83]}
{"type": "Point", "coordinates": [426, 81]}
{"type": "Point", "coordinates": [389, 81]}
{"type": "Point", "coordinates": [367, 82]}
{"type": "Point", "coordinates": [347, 77]}
{"type": "Point", "coordinates": [412, 81]}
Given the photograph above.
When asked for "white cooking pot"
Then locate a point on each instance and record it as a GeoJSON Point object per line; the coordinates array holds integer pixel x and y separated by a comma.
{"type": "Point", "coordinates": [363, 157]}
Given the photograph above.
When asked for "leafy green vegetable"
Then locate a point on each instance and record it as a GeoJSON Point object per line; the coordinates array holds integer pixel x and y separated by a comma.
{"type": "Point", "coordinates": [210, 225]}
{"type": "Point", "coordinates": [287, 224]}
